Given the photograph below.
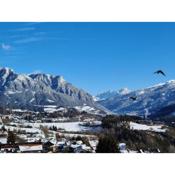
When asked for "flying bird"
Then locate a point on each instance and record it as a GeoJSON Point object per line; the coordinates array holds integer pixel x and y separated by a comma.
{"type": "Point", "coordinates": [160, 72]}
{"type": "Point", "coordinates": [133, 98]}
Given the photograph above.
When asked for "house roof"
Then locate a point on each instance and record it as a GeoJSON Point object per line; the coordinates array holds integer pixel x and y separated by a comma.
{"type": "Point", "coordinates": [30, 144]}
{"type": "Point", "coordinates": [8, 146]}
{"type": "Point", "coordinates": [29, 147]}
{"type": "Point", "coordinates": [33, 146]}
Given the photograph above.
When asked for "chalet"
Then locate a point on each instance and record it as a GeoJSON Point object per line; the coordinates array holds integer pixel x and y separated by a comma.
{"type": "Point", "coordinates": [35, 147]}
{"type": "Point", "coordinates": [9, 148]}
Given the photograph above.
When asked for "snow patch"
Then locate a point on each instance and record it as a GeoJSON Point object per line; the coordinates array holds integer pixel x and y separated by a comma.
{"type": "Point", "coordinates": [32, 100]}
{"type": "Point", "coordinates": [87, 109]}
{"type": "Point", "coordinates": [155, 128]}
{"type": "Point", "coordinates": [51, 101]}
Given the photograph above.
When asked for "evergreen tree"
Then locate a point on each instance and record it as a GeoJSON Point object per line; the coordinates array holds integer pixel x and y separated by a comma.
{"type": "Point", "coordinates": [107, 144]}
{"type": "Point", "coordinates": [11, 138]}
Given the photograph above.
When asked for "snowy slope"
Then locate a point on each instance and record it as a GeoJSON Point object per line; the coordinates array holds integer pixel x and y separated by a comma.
{"type": "Point", "coordinates": [150, 100]}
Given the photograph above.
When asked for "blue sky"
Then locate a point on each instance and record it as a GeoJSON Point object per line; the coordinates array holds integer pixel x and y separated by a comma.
{"type": "Point", "coordinates": [92, 56]}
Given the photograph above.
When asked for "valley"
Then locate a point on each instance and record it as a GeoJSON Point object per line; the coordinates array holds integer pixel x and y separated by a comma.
{"type": "Point", "coordinates": [68, 130]}
{"type": "Point", "coordinates": [46, 114]}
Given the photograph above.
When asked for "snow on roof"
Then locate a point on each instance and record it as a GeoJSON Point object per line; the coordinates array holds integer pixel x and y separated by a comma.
{"type": "Point", "coordinates": [3, 140]}
{"type": "Point", "coordinates": [79, 142]}
{"type": "Point", "coordinates": [30, 147]}
{"type": "Point", "coordinates": [74, 146]}
{"type": "Point", "coordinates": [60, 143]}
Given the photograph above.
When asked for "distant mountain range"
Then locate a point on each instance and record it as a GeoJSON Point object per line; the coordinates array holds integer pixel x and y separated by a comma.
{"type": "Point", "coordinates": [154, 101]}
{"type": "Point", "coordinates": [29, 91]}
{"type": "Point", "coordinates": [110, 94]}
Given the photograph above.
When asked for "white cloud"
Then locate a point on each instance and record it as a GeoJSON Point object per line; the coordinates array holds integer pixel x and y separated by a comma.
{"type": "Point", "coordinates": [6, 46]}
{"type": "Point", "coordinates": [27, 40]}
{"type": "Point", "coordinates": [25, 29]}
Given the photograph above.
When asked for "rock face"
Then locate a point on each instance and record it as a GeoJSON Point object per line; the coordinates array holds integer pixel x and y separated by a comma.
{"type": "Point", "coordinates": [150, 101]}
{"type": "Point", "coordinates": [25, 91]}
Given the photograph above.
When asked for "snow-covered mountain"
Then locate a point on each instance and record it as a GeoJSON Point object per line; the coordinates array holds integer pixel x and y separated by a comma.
{"type": "Point", "coordinates": [27, 91]}
{"type": "Point", "coordinates": [150, 101]}
{"type": "Point", "coordinates": [110, 93]}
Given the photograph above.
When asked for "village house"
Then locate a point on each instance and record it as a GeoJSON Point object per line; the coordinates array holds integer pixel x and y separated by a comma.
{"type": "Point", "coordinates": [35, 147]}
{"type": "Point", "coordinates": [8, 148]}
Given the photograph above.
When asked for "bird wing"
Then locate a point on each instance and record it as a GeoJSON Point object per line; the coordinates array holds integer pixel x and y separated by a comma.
{"type": "Point", "coordinates": [162, 73]}
{"type": "Point", "coordinates": [133, 98]}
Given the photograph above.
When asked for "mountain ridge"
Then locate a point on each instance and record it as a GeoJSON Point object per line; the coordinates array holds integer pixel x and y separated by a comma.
{"type": "Point", "coordinates": [24, 90]}
{"type": "Point", "coordinates": [111, 93]}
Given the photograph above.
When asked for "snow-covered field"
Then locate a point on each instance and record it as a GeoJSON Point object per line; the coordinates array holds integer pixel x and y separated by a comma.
{"type": "Point", "coordinates": [29, 130]}
{"type": "Point", "coordinates": [67, 126]}
{"type": "Point", "coordinates": [155, 128]}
